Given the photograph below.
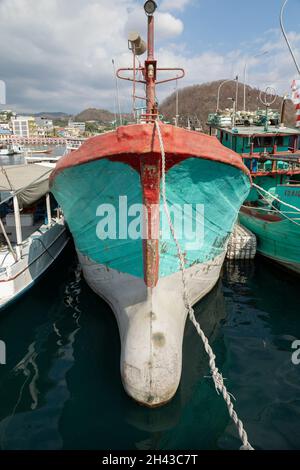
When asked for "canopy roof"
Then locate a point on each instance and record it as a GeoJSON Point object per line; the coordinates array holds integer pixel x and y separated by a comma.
{"type": "Point", "coordinates": [30, 182]}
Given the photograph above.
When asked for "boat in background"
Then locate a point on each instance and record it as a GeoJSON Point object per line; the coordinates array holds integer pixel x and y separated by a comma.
{"type": "Point", "coordinates": [272, 209]}
{"type": "Point", "coordinates": [45, 150]}
{"type": "Point", "coordinates": [31, 238]}
{"type": "Point", "coordinates": [112, 193]}
{"type": "Point", "coordinates": [73, 143]}
{"type": "Point", "coordinates": [19, 149]}
{"type": "Point", "coordinates": [41, 159]}
{"type": "Point", "coordinates": [6, 151]}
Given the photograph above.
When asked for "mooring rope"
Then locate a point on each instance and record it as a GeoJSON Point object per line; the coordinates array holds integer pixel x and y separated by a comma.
{"type": "Point", "coordinates": [216, 375]}
{"type": "Point", "coordinates": [276, 198]}
{"type": "Point", "coordinates": [264, 209]}
{"type": "Point", "coordinates": [282, 213]}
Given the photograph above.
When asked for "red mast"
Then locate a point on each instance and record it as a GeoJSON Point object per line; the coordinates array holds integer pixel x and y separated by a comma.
{"type": "Point", "coordinates": [150, 72]}
{"type": "Point", "coordinates": [149, 164]}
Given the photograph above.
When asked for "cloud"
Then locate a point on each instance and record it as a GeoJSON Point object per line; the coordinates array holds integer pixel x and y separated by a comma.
{"type": "Point", "coordinates": [174, 4]}
{"type": "Point", "coordinates": [166, 25]}
{"type": "Point", "coordinates": [57, 54]}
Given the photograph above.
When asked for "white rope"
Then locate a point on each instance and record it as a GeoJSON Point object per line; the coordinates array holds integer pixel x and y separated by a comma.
{"type": "Point", "coordinates": [276, 198]}
{"type": "Point", "coordinates": [264, 209]}
{"type": "Point", "coordinates": [282, 213]}
{"type": "Point", "coordinates": [215, 374]}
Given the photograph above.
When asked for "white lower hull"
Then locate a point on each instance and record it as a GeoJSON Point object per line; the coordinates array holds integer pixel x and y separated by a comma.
{"type": "Point", "coordinates": [38, 253]}
{"type": "Point", "coordinates": [151, 324]}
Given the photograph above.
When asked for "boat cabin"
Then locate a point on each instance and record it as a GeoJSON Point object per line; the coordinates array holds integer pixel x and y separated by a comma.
{"type": "Point", "coordinates": [256, 140]}
{"type": "Point", "coordinates": [264, 147]}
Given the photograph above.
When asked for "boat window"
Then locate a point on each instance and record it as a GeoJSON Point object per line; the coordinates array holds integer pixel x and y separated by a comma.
{"type": "Point", "coordinates": [279, 141]}
{"type": "Point", "coordinates": [263, 141]}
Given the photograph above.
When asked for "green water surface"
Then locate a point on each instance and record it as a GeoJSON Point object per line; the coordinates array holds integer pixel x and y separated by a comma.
{"type": "Point", "coordinates": [61, 387]}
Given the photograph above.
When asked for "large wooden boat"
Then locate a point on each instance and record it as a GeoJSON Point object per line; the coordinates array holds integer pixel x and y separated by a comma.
{"type": "Point", "coordinates": [111, 193]}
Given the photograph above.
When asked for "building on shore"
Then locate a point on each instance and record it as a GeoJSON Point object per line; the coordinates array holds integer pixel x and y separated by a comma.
{"type": "Point", "coordinates": [75, 129]}
{"type": "Point", "coordinates": [4, 134]}
{"type": "Point", "coordinates": [24, 126]}
{"type": "Point", "coordinates": [45, 126]}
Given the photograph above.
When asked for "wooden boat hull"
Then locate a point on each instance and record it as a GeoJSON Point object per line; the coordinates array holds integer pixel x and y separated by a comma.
{"type": "Point", "coordinates": [140, 277]}
{"type": "Point", "coordinates": [277, 238]}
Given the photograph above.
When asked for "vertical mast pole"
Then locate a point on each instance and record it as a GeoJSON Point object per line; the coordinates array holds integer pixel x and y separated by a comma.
{"type": "Point", "coordinates": [177, 106]}
{"type": "Point", "coordinates": [150, 70]}
{"type": "Point", "coordinates": [18, 227]}
{"type": "Point", "coordinates": [48, 207]}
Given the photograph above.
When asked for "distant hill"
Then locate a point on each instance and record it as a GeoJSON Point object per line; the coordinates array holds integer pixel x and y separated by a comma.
{"type": "Point", "coordinates": [52, 115]}
{"type": "Point", "coordinates": [199, 100]}
{"type": "Point", "coordinates": [93, 114]}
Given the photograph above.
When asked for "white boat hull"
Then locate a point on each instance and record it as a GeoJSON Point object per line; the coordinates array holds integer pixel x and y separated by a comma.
{"type": "Point", "coordinates": [38, 253]}
{"type": "Point", "coordinates": [151, 324]}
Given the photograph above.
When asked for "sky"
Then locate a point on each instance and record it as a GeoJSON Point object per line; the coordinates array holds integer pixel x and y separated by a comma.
{"type": "Point", "coordinates": [56, 55]}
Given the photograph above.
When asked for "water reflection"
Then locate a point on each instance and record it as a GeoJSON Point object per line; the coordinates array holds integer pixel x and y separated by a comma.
{"type": "Point", "coordinates": [61, 388]}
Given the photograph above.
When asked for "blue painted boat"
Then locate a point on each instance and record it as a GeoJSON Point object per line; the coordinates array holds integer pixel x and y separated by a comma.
{"type": "Point", "coordinates": [111, 192]}
{"type": "Point", "coordinates": [272, 213]}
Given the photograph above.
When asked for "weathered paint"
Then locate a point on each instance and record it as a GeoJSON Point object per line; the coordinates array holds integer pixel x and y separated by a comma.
{"type": "Point", "coordinates": [278, 239]}
{"type": "Point", "coordinates": [143, 284]}
{"type": "Point", "coordinates": [220, 188]}
{"type": "Point", "coordinates": [80, 191]}
{"type": "Point", "coordinates": [131, 144]}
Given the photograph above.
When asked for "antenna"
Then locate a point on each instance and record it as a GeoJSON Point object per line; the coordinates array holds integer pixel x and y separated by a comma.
{"type": "Point", "coordinates": [115, 100]}
{"type": "Point", "coordinates": [150, 70]}
{"type": "Point", "coordinates": [117, 94]}
{"type": "Point", "coordinates": [286, 38]}
{"type": "Point", "coordinates": [272, 95]}
{"type": "Point", "coordinates": [177, 105]}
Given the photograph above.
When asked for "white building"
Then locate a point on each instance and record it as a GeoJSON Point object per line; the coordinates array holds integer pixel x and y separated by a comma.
{"type": "Point", "coordinates": [24, 126]}
{"type": "Point", "coordinates": [77, 126]}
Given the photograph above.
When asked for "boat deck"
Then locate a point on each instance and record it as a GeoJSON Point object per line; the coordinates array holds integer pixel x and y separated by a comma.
{"type": "Point", "coordinates": [26, 231]}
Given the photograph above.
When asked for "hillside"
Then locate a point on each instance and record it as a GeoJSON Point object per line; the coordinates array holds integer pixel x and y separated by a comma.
{"type": "Point", "coordinates": [52, 115]}
{"type": "Point", "coordinates": [199, 100]}
{"type": "Point", "coordinates": [93, 114]}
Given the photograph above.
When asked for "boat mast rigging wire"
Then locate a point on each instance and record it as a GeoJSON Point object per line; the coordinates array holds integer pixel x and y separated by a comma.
{"type": "Point", "coordinates": [286, 37]}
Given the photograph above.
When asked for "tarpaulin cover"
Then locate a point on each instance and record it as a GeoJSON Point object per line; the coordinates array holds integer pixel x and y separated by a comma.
{"type": "Point", "coordinates": [30, 182]}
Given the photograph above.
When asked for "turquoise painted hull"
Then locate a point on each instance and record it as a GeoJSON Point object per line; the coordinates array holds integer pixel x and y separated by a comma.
{"type": "Point", "coordinates": [279, 241]}
{"type": "Point", "coordinates": [277, 232]}
{"type": "Point", "coordinates": [220, 188]}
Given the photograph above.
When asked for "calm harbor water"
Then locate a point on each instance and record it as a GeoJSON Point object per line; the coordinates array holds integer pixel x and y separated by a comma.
{"type": "Point", "coordinates": [57, 151]}
{"type": "Point", "coordinates": [61, 386]}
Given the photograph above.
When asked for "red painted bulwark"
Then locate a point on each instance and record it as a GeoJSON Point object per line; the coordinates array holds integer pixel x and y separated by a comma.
{"type": "Point", "coordinates": [129, 143]}
{"type": "Point", "coordinates": [257, 214]}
